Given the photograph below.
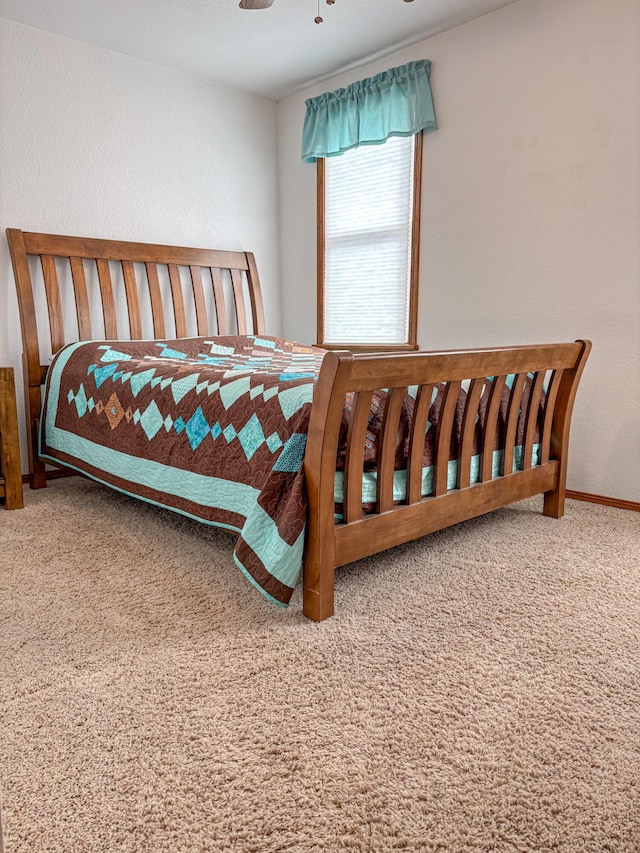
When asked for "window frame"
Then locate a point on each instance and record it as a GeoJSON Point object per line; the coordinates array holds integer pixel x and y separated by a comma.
{"type": "Point", "coordinates": [411, 345]}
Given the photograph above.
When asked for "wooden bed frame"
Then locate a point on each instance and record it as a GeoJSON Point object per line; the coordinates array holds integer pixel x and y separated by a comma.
{"type": "Point", "coordinates": [179, 283]}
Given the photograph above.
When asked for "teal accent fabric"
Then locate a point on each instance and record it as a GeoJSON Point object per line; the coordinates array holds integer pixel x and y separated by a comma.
{"type": "Point", "coordinates": [397, 102]}
{"type": "Point", "coordinates": [262, 536]}
{"type": "Point", "coordinates": [369, 478]}
{"type": "Point", "coordinates": [292, 455]}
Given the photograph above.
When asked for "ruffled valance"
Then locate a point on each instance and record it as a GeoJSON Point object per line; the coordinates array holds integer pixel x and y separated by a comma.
{"type": "Point", "coordinates": [396, 102]}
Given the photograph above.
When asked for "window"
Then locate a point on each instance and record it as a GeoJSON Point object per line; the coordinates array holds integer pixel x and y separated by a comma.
{"type": "Point", "coordinates": [368, 245]}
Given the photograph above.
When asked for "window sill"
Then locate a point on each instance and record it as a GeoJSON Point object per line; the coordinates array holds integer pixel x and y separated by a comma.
{"type": "Point", "coordinates": [371, 348]}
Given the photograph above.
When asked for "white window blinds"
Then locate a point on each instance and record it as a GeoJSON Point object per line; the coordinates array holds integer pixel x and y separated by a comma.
{"type": "Point", "coordinates": [367, 262]}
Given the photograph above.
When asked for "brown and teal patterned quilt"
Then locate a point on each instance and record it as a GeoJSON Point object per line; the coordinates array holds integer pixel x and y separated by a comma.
{"type": "Point", "coordinates": [216, 429]}
{"type": "Point", "coordinates": [212, 428]}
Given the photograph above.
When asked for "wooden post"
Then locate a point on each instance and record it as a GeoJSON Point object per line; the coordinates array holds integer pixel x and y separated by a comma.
{"type": "Point", "coordinates": [319, 471]}
{"type": "Point", "coordinates": [554, 499]}
{"type": "Point", "coordinates": [9, 441]}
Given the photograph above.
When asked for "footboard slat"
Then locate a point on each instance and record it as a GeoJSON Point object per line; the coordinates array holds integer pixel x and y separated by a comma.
{"type": "Point", "coordinates": [416, 443]}
{"type": "Point", "coordinates": [549, 409]}
{"type": "Point", "coordinates": [490, 426]}
{"type": "Point", "coordinates": [387, 449]}
{"type": "Point", "coordinates": [532, 420]}
{"type": "Point", "coordinates": [469, 421]}
{"type": "Point", "coordinates": [354, 459]}
{"type": "Point", "coordinates": [443, 437]}
{"type": "Point", "coordinates": [513, 417]}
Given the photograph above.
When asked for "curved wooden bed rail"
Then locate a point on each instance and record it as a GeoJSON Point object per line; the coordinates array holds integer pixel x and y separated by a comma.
{"type": "Point", "coordinates": [193, 279]}
{"type": "Point", "coordinates": [330, 544]}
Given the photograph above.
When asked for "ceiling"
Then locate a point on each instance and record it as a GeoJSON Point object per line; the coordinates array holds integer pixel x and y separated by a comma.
{"type": "Point", "coordinates": [272, 52]}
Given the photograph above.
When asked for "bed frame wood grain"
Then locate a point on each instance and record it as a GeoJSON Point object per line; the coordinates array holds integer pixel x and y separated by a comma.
{"type": "Point", "coordinates": [329, 544]}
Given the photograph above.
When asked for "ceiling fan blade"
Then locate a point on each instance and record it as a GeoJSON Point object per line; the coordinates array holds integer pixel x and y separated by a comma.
{"type": "Point", "coordinates": [256, 4]}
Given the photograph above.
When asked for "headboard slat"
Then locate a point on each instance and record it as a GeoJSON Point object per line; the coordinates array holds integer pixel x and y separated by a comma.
{"type": "Point", "coordinates": [255, 295]}
{"type": "Point", "coordinates": [198, 295]}
{"type": "Point", "coordinates": [157, 311]}
{"type": "Point", "coordinates": [218, 295]}
{"type": "Point", "coordinates": [178, 301]}
{"type": "Point", "coordinates": [133, 302]}
{"type": "Point", "coordinates": [52, 288]}
{"type": "Point", "coordinates": [108, 305]}
{"type": "Point", "coordinates": [238, 296]}
{"type": "Point", "coordinates": [82, 300]}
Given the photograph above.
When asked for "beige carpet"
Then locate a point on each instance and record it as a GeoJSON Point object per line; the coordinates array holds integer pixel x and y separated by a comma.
{"type": "Point", "coordinates": [477, 691]}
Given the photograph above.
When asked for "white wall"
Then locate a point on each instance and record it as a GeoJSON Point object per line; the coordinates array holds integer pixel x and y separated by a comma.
{"type": "Point", "coordinates": [531, 206]}
{"type": "Point", "coordinates": [98, 144]}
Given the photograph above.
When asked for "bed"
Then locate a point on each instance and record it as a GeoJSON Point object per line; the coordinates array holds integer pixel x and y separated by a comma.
{"type": "Point", "coordinates": [160, 381]}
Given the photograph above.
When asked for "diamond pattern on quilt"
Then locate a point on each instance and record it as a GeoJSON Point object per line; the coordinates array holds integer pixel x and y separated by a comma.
{"type": "Point", "coordinates": [80, 400]}
{"type": "Point", "coordinates": [232, 391]}
{"type": "Point", "coordinates": [113, 410]}
{"type": "Point", "coordinates": [180, 387]}
{"type": "Point", "coordinates": [151, 420]}
{"type": "Point", "coordinates": [139, 380]}
{"type": "Point", "coordinates": [171, 368]}
{"type": "Point", "coordinates": [251, 436]}
{"type": "Point", "coordinates": [197, 428]}
{"type": "Point", "coordinates": [101, 374]}
{"type": "Point", "coordinates": [274, 442]}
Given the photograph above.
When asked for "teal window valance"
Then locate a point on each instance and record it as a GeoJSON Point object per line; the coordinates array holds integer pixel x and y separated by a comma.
{"type": "Point", "coordinates": [396, 102]}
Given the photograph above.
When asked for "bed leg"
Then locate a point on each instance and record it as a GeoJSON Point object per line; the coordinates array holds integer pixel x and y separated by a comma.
{"type": "Point", "coordinates": [554, 499]}
{"type": "Point", "coordinates": [38, 479]}
{"type": "Point", "coordinates": [318, 604]}
{"type": "Point", "coordinates": [554, 503]}
{"type": "Point", "coordinates": [319, 566]}
{"type": "Point", "coordinates": [38, 476]}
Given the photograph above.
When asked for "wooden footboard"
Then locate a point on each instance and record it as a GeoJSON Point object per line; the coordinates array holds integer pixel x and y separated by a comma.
{"type": "Point", "coordinates": [555, 368]}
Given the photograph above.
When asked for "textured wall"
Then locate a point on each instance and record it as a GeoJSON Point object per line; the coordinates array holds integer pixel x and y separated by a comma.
{"type": "Point", "coordinates": [531, 206]}
{"type": "Point", "coordinates": [99, 144]}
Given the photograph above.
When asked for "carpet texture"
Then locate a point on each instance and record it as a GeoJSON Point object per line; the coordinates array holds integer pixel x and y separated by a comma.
{"type": "Point", "coordinates": [477, 690]}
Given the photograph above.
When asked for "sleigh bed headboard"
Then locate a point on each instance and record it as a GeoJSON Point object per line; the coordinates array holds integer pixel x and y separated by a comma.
{"type": "Point", "coordinates": [81, 288]}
